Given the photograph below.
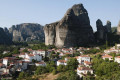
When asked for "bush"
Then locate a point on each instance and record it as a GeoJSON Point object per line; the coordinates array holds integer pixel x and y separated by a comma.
{"type": "Point", "coordinates": [61, 68]}
{"type": "Point", "coordinates": [54, 71]}
{"type": "Point", "coordinates": [41, 70]}
{"type": "Point", "coordinates": [69, 75]}
{"type": "Point", "coordinates": [72, 64]}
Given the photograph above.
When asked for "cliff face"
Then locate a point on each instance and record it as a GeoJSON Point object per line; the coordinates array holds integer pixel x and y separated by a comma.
{"type": "Point", "coordinates": [27, 32]}
{"type": "Point", "coordinates": [118, 29]}
{"type": "Point", "coordinates": [4, 38]}
{"type": "Point", "coordinates": [108, 26]}
{"type": "Point", "coordinates": [102, 31]}
{"type": "Point", "coordinates": [72, 30]}
{"type": "Point", "coordinates": [50, 33]}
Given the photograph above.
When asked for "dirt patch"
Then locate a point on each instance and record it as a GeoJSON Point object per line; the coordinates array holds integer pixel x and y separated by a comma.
{"type": "Point", "coordinates": [51, 77]}
{"type": "Point", "coordinates": [47, 76]}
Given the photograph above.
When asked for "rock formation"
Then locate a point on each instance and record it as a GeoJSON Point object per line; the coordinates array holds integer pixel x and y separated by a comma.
{"type": "Point", "coordinates": [108, 27]}
{"type": "Point", "coordinates": [118, 29]}
{"type": "Point", "coordinates": [101, 30]}
{"type": "Point", "coordinates": [4, 38]}
{"type": "Point", "coordinates": [72, 30]}
{"type": "Point", "coordinates": [27, 32]}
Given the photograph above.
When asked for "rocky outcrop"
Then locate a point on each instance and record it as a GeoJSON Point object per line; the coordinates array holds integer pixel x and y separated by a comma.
{"type": "Point", "coordinates": [101, 30]}
{"type": "Point", "coordinates": [108, 27]}
{"type": "Point", "coordinates": [50, 33]}
{"type": "Point", "coordinates": [4, 38]}
{"type": "Point", "coordinates": [27, 32]}
{"type": "Point", "coordinates": [72, 30]}
{"type": "Point", "coordinates": [118, 29]}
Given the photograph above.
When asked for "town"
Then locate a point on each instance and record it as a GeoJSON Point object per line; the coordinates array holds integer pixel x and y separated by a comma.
{"type": "Point", "coordinates": [80, 59]}
{"type": "Point", "coordinates": [59, 40]}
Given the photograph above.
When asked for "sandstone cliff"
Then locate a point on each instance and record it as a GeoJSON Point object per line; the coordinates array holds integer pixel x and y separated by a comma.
{"type": "Point", "coordinates": [72, 30]}
{"type": "Point", "coordinates": [27, 32]}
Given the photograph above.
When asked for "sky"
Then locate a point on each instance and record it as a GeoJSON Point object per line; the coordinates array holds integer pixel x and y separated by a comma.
{"type": "Point", "coordinates": [14, 12]}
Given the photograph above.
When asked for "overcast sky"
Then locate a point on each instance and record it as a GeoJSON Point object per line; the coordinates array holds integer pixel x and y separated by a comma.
{"type": "Point", "coordinates": [14, 12]}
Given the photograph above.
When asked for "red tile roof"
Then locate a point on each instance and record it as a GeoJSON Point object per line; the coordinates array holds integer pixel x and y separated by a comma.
{"type": "Point", "coordinates": [89, 63]}
{"type": "Point", "coordinates": [84, 56]}
{"type": "Point", "coordinates": [41, 50]}
{"type": "Point", "coordinates": [9, 58]}
{"type": "Point", "coordinates": [22, 53]}
{"type": "Point", "coordinates": [1, 64]}
{"type": "Point", "coordinates": [83, 68]}
{"type": "Point", "coordinates": [106, 56]}
{"type": "Point", "coordinates": [62, 61]}
{"type": "Point", "coordinates": [118, 56]}
{"type": "Point", "coordinates": [30, 55]}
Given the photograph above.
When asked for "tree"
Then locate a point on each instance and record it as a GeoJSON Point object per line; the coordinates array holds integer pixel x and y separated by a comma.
{"type": "Point", "coordinates": [41, 70]}
{"type": "Point", "coordinates": [72, 64]}
{"type": "Point", "coordinates": [61, 68]}
{"type": "Point", "coordinates": [54, 71]}
{"type": "Point", "coordinates": [15, 51]}
{"type": "Point", "coordinates": [21, 76]}
{"type": "Point", "coordinates": [104, 69]}
{"type": "Point", "coordinates": [25, 50]}
{"type": "Point", "coordinates": [106, 44]}
{"type": "Point", "coordinates": [51, 66]}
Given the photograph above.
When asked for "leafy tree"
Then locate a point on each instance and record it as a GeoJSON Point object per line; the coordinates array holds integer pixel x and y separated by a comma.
{"type": "Point", "coordinates": [15, 51]}
{"type": "Point", "coordinates": [72, 64]}
{"type": "Point", "coordinates": [76, 54]}
{"type": "Point", "coordinates": [25, 50]}
{"type": "Point", "coordinates": [105, 68]}
{"type": "Point", "coordinates": [92, 51]}
{"type": "Point", "coordinates": [54, 71]}
{"type": "Point", "coordinates": [61, 68]}
{"type": "Point", "coordinates": [40, 70]}
{"type": "Point", "coordinates": [21, 76]}
{"type": "Point", "coordinates": [51, 66]}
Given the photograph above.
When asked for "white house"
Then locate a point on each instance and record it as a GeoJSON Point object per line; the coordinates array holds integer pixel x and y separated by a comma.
{"type": "Point", "coordinates": [83, 70]}
{"type": "Point", "coordinates": [61, 62]}
{"type": "Point", "coordinates": [4, 71]}
{"type": "Point", "coordinates": [87, 64]}
{"type": "Point", "coordinates": [40, 52]}
{"type": "Point", "coordinates": [107, 57]}
{"type": "Point", "coordinates": [22, 55]}
{"type": "Point", "coordinates": [67, 58]}
{"type": "Point", "coordinates": [112, 51]}
{"type": "Point", "coordinates": [117, 59]}
{"type": "Point", "coordinates": [118, 46]}
{"type": "Point", "coordinates": [37, 57]}
{"type": "Point", "coordinates": [40, 63]}
{"type": "Point", "coordinates": [5, 52]}
{"type": "Point", "coordinates": [83, 58]}
{"type": "Point", "coordinates": [23, 64]}
{"type": "Point", "coordinates": [30, 57]}
{"type": "Point", "coordinates": [7, 59]}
